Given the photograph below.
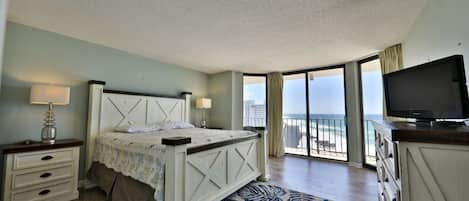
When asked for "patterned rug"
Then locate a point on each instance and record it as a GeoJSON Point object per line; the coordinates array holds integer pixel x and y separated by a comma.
{"type": "Point", "coordinates": [257, 191]}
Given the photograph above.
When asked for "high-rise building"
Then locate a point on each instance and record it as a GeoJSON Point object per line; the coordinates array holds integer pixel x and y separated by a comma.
{"type": "Point", "coordinates": [254, 114]}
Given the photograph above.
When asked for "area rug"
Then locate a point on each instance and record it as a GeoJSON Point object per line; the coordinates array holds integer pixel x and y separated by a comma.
{"type": "Point", "coordinates": [257, 191]}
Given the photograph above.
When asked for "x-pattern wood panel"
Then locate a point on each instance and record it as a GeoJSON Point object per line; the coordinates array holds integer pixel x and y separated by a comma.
{"type": "Point", "coordinates": [166, 111]}
{"type": "Point", "coordinates": [208, 174]}
{"type": "Point", "coordinates": [119, 110]}
{"type": "Point", "coordinates": [425, 173]}
{"type": "Point", "coordinates": [245, 160]}
{"type": "Point", "coordinates": [125, 114]}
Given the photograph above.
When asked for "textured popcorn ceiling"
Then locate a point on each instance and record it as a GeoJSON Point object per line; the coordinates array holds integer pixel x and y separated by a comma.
{"type": "Point", "coordinates": [216, 35]}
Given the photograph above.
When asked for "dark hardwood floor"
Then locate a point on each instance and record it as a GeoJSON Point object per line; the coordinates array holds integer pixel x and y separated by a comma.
{"type": "Point", "coordinates": [327, 179]}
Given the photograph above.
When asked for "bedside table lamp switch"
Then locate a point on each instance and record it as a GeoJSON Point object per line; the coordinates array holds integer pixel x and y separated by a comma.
{"type": "Point", "coordinates": [49, 95]}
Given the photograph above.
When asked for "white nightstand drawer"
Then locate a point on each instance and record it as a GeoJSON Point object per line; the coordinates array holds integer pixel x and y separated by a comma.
{"type": "Point", "coordinates": [39, 177]}
{"type": "Point", "coordinates": [37, 159]}
{"type": "Point", "coordinates": [43, 193]}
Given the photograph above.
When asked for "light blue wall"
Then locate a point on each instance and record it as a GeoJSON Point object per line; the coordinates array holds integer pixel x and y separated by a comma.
{"type": "Point", "coordinates": [37, 56]}
{"type": "Point", "coordinates": [226, 91]}
{"type": "Point", "coordinates": [441, 30]}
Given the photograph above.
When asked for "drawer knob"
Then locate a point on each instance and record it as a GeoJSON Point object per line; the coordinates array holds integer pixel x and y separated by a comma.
{"type": "Point", "coordinates": [44, 192]}
{"type": "Point", "coordinates": [46, 158]}
{"type": "Point", "coordinates": [45, 175]}
{"type": "Point", "coordinates": [382, 144]}
{"type": "Point", "coordinates": [386, 180]}
{"type": "Point", "coordinates": [390, 155]}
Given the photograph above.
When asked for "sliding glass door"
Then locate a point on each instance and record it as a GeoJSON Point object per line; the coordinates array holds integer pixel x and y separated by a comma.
{"type": "Point", "coordinates": [314, 113]}
{"type": "Point", "coordinates": [372, 104]}
{"type": "Point", "coordinates": [294, 114]}
{"type": "Point", "coordinates": [327, 114]}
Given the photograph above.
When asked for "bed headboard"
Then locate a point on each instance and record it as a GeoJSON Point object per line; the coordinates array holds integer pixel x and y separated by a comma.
{"type": "Point", "coordinates": [109, 109]}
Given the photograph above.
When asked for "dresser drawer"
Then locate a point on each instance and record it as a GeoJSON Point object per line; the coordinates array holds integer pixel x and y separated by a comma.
{"type": "Point", "coordinates": [391, 157]}
{"type": "Point", "coordinates": [381, 192]}
{"type": "Point", "coordinates": [39, 177]}
{"type": "Point", "coordinates": [47, 192]}
{"type": "Point", "coordinates": [37, 159]}
{"type": "Point", "coordinates": [380, 143]}
{"type": "Point", "coordinates": [380, 171]}
{"type": "Point", "coordinates": [391, 188]}
{"type": "Point", "coordinates": [391, 192]}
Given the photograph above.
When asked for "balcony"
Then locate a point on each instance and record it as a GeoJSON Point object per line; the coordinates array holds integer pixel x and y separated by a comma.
{"type": "Point", "coordinates": [328, 138]}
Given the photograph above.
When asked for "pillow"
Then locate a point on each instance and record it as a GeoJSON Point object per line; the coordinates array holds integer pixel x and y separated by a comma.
{"type": "Point", "coordinates": [175, 125]}
{"type": "Point", "coordinates": [138, 128]}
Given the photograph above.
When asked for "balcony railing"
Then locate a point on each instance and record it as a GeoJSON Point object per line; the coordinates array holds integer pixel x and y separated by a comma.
{"type": "Point", "coordinates": [328, 137]}
{"type": "Point", "coordinates": [370, 152]}
{"type": "Point", "coordinates": [254, 122]}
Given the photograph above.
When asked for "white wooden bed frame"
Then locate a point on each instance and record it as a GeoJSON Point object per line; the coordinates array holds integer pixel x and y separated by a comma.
{"type": "Point", "coordinates": [208, 175]}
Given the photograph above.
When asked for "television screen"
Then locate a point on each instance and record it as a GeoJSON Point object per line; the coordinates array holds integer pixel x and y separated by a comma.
{"type": "Point", "coordinates": [435, 90]}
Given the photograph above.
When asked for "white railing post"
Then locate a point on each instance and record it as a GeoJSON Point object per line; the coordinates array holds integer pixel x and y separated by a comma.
{"type": "Point", "coordinates": [94, 116]}
{"type": "Point", "coordinates": [262, 156]}
{"type": "Point", "coordinates": [187, 108]}
{"type": "Point", "coordinates": [175, 168]}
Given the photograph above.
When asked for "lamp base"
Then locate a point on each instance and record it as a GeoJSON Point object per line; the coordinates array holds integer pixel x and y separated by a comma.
{"type": "Point", "coordinates": [48, 135]}
{"type": "Point", "coordinates": [203, 124]}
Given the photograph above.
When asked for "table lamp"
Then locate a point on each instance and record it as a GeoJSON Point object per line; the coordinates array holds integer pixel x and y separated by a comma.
{"type": "Point", "coordinates": [49, 95]}
{"type": "Point", "coordinates": [204, 104]}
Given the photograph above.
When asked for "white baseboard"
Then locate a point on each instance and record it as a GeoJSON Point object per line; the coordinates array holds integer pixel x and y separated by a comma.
{"type": "Point", "coordinates": [355, 164]}
{"type": "Point", "coordinates": [86, 184]}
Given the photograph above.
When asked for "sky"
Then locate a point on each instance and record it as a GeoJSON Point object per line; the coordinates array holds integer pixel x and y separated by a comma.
{"type": "Point", "coordinates": [326, 94]}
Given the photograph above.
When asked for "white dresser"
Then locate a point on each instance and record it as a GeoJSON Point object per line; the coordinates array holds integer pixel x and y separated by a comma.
{"type": "Point", "coordinates": [40, 172]}
{"type": "Point", "coordinates": [421, 163]}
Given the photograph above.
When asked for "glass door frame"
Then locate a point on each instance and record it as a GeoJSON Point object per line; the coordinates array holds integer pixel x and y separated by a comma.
{"type": "Point", "coordinates": [308, 130]}
{"type": "Point", "coordinates": [362, 114]}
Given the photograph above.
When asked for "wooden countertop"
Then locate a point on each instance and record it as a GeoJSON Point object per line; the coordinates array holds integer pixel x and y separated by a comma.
{"type": "Point", "coordinates": [38, 146]}
{"type": "Point", "coordinates": [411, 132]}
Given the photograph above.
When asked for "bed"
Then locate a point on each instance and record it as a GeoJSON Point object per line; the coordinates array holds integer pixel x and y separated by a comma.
{"type": "Point", "coordinates": [190, 164]}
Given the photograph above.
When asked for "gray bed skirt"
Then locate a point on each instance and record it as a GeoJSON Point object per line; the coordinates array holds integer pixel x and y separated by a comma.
{"type": "Point", "coordinates": [119, 187]}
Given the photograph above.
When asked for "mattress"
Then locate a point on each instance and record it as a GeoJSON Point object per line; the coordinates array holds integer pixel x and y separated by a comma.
{"type": "Point", "coordinates": [141, 156]}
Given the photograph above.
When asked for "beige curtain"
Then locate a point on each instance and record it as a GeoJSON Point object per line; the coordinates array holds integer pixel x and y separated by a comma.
{"type": "Point", "coordinates": [274, 113]}
{"type": "Point", "coordinates": [391, 60]}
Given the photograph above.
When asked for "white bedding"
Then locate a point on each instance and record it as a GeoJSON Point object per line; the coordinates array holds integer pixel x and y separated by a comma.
{"type": "Point", "coordinates": [141, 156]}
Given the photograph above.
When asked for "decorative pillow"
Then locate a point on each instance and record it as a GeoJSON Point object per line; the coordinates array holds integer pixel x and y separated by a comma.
{"type": "Point", "coordinates": [138, 128]}
{"type": "Point", "coordinates": [175, 125]}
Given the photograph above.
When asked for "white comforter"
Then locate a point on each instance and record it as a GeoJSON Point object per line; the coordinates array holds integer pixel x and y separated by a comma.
{"type": "Point", "coordinates": [141, 155]}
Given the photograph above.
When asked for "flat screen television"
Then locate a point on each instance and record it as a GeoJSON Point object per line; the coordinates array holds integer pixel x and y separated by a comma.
{"type": "Point", "coordinates": [434, 90]}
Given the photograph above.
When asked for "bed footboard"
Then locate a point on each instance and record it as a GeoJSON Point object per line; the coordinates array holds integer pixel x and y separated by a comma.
{"type": "Point", "coordinates": [212, 174]}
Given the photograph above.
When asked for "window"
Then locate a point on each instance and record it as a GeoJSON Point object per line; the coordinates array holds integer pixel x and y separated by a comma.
{"type": "Point", "coordinates": [372, 104]}
{"type": "Point", "coordinates": [254, 101]}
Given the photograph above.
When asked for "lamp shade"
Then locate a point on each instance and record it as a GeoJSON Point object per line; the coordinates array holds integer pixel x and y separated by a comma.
{"type": "Point", "coordinates": [45, 94]}
{"type": "Point", "coordinates": [203, 103]}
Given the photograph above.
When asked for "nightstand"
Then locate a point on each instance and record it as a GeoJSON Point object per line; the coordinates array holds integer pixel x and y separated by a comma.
{"type": "Point", "coordinates": [40, 172]}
